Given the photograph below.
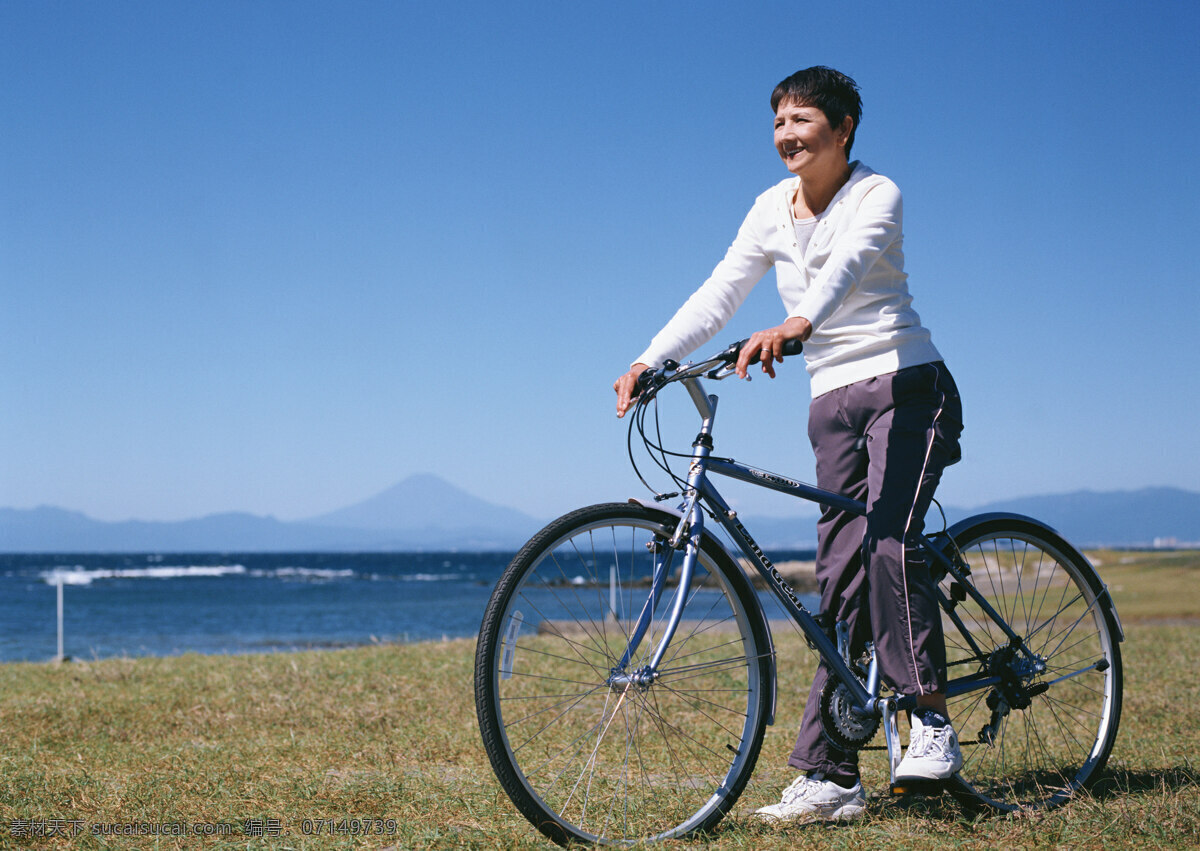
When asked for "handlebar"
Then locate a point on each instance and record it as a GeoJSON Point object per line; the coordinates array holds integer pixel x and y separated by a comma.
{"type": "Point", "coordinates": [655, 378]}
{"type": "Point", "coordinates": [650, 381]}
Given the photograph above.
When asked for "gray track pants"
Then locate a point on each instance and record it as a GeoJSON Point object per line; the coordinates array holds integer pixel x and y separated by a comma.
{"type": "Point", "coordinates": [911, 420]}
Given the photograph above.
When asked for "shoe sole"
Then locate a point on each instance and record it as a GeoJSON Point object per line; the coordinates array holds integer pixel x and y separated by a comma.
{"type": "Point", "coordinates": [850, 812]}
{"type": "Point", "coordinates": [918, 773]}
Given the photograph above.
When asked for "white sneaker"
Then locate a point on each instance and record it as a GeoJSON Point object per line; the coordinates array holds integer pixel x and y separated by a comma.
{"type": "Point", "coordinates": [817, 799]}
{"type": "Point", "coordinates": [933, 753]}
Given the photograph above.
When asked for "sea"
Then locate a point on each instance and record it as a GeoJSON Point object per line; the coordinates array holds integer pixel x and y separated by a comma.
{"type": "Point", "coordinates": [162, 604]}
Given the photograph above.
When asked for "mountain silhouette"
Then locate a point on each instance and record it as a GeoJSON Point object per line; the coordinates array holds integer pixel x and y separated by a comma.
{"type": "Point", "coordinates": [1098, 518]}
{"type": "Point", "coordinates": [424, 502]}
{"type": "Point", "coordinates": [425, 513]}
{"type": "Point", "coordinates": [422, 513]}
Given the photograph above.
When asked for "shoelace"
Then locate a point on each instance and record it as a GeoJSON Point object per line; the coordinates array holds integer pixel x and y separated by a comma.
{"type": "Point", "coordinates": [799, 789]}
{"type": "Point", "coordinates": [929, 739]}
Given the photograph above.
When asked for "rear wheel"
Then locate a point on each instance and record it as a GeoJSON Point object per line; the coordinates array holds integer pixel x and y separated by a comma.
{"type": "Point", "coordinates": [585, 750]}
{"type": "Point", "coordinates": [1047, 729]}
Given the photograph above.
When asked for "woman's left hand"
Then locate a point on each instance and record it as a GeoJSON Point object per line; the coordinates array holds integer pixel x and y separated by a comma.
{"type": "Point", "coordinates": [768, 345]}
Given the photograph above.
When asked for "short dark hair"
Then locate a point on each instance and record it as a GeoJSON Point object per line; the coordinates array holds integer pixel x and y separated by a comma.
{"type": "Point", "coordinates": [828, 90]}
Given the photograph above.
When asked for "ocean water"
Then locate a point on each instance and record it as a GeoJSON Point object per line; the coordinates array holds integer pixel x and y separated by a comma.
{"type": "Point", "coordinates": [165, 604]}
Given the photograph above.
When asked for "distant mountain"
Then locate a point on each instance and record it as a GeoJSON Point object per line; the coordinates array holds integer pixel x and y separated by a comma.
{"type": "Point", "coordinates": [426, 513]}
{"type": "Point", "coordinates": [49, 529]}
{"type": "Point", "coordinates": [421, 513]}
{"type": "Point", "coordinates": [426, 504]}
{"type": "Point", "coordinates": [1146, 517]}
{"type": "Point", "coordinates": [1142, 518]}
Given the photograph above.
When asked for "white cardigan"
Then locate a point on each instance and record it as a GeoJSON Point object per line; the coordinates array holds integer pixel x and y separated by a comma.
{"type": "Point", "coordinates": [849, 283]}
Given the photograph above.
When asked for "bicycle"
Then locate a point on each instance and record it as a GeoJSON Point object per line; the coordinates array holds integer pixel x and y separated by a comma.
{"type": "Point", "coordinates": [625, 670]}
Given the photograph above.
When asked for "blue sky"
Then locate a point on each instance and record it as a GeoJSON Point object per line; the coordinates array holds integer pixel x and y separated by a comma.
{"type": "Point", "coordinates": [276, 256]}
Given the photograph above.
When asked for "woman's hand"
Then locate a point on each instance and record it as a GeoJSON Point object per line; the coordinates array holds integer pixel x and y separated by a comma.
{"type": "Point", "coordinates": [768, 345]}
{"type": "Point", "coordinates": [624, 387]}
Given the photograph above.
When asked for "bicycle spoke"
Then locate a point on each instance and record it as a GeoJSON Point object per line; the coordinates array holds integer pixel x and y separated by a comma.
{"type": "Point", "coordinates": [1030, 737]}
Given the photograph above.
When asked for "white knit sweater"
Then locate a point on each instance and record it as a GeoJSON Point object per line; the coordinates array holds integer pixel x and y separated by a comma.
{"type": "Point", "coordinates": [849, 283]}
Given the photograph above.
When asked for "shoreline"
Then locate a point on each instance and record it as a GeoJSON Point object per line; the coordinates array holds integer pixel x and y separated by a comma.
{"type": "Point", "coordinates": [800, 575]}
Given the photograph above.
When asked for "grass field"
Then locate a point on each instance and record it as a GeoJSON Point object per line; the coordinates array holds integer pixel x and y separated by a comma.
{"type": "Point", "coordinates": [378, 747]}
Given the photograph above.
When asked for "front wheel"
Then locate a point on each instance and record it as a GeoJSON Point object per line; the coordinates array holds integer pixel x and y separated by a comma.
{"type": "Point", "coordinates": [1047, 728]}
{"type": "Point", "coordinates": [585, 750]}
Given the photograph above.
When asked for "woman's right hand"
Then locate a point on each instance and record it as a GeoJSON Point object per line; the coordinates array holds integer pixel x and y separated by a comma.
{"type": "Point", "coordinates": [624, 387]}
{"type": "Point", "coordinates": [768, 345]}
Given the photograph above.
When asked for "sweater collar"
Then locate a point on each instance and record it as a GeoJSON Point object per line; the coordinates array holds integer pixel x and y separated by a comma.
{"type": "Point", "coordinates": [858, 173]}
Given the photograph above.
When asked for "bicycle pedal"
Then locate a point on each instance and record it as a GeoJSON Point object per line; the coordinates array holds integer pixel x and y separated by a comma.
{"type": "Point", "coordinates": [918, 786]}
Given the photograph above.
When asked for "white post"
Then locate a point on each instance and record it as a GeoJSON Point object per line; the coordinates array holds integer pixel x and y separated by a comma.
{"type": "Point", "coordinates": [612, 591]}
{"type": "Point", "coordinates": [59, 657]}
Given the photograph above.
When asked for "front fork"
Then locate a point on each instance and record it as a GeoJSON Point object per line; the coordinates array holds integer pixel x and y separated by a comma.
{"type": "Point", "coordinates": [663, 557]}
{"type": "Point", "coordinates": [686, 538]}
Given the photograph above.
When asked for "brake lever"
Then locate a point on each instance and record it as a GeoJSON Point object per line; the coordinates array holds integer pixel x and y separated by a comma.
{"type": "Point", "coordinates": [720, 373]}
{"type": "Point", "coordinates": [790, 348]}
{"type": "Point", "coordinates": [652, 379]}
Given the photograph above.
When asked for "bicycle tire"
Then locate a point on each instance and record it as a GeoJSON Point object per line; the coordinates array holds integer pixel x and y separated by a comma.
{"type": "Point", "coordinates": [1038, 755]}
{"type": "Point", "coordinates": [584, 760]}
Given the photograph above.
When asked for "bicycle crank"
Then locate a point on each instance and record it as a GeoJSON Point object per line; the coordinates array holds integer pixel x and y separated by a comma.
{"type": "Point", "coordinates": [843, 725]}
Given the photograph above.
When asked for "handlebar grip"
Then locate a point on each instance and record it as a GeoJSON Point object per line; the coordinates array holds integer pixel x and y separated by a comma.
{"type": "Point", "coordinates": [790, 348]}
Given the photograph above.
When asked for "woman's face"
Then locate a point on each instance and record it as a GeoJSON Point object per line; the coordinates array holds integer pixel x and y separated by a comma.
{"type": "Point", "coordinates": [806, 141]}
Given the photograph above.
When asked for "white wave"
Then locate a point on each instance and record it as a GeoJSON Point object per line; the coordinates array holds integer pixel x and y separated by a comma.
{"type": "Point", "coordinates": [305, 573]}
{"type": "Point", "coordinates": [80, 575]}
{"type": "Point", "coordinates": [433, 577]}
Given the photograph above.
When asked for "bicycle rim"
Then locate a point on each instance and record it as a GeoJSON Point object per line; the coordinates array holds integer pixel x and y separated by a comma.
{"type": "Point", "coordinates": [1048, 728]}
{"type": "Point", "coordinates": [585, 758]}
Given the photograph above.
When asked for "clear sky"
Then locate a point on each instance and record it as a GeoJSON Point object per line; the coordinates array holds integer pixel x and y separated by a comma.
{"type": "Point", "coordinates": [276, 256]}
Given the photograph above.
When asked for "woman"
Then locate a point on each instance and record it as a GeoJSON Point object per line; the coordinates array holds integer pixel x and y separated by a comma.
{"type": "Point", "coordinates": [833, 234]}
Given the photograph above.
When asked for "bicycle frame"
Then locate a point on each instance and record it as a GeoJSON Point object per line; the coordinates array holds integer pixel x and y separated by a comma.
{"type": "Point", "coordinates": [640, 714]}
{"type": "Point", "coordinates": [700, 493]}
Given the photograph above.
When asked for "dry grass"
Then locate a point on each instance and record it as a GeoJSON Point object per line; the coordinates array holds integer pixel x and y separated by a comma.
{"type": "Point", "coordinates": [389, 733]}
{"type": "Point", "coordinates": [1157, 586]}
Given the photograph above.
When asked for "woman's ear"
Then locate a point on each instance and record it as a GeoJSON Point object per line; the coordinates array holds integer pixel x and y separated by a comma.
{"type": "Point", "coordinates": [844, 129]}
